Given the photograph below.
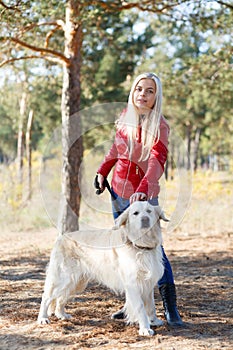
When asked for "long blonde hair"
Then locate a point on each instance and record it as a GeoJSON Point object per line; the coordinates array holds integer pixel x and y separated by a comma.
{"type": "Point", "coordinates": [129, 120]}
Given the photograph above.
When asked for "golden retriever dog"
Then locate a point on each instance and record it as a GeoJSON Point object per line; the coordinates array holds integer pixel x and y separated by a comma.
{"type": "Point", "coordinates": [127, 259]}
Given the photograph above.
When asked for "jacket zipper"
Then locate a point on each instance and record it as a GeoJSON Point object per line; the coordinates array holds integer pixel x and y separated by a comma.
{"type": "Point", "coordinates": [123, 191]}
{"type": "Point", "coordinates": [138, 172]}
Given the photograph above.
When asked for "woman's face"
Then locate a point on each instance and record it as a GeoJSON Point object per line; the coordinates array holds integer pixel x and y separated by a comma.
{"type": "Point", "coordinates": [144, 95]}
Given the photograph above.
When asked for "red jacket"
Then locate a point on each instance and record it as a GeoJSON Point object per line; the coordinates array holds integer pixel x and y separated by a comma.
{"type": "Point", "coordinates": [132, 176]}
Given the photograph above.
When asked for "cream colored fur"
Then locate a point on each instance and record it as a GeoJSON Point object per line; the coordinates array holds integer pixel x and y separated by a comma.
{"type": "Point", "coordinates": [127, 259]}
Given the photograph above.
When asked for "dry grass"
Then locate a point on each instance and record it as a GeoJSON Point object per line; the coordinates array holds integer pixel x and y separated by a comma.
{"type": "Point", "coordinates": [199, 248]}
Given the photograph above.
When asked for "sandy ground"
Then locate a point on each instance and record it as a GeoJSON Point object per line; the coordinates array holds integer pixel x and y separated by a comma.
{"type": "Point", "coordinates": [202, 267]}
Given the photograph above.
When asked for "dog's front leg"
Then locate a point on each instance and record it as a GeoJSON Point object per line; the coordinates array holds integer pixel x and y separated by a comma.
{"type": "Point", "coordinates": [43, 314]}
{"type": "Point", "coordinates": [60, 309]}
{"type": "Point", "coordinates": [149, 303]}
{"type": "Point", "coordinates": [136, 310]}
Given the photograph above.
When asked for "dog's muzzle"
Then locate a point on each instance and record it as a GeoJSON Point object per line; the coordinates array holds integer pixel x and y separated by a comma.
{"type": "Point", "coordinates": [145, 222]}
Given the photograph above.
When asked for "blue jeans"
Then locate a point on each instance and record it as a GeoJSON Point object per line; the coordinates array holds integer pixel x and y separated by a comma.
{"type": "Point", "coordinates": [118, 206]}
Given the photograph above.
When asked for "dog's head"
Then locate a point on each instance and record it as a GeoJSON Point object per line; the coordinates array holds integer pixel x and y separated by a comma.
{"type": "Point", "coordinates": [142, 224]}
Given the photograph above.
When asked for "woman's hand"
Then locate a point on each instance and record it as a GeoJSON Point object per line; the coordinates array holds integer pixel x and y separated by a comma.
{"type": "Point", "coordinates": [138, 196]}
{"type": "Point", "coordinates": [101, 182]}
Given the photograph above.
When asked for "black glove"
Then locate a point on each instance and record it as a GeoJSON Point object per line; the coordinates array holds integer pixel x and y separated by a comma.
{"type": "Point", "coordinates": [97, 185]}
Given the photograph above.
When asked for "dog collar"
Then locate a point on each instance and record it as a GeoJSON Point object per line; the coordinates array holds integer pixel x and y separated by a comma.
{"type": "Point", "coordinates": [142, 248]}
{"type": "Point", "coordinates": [138, 246]}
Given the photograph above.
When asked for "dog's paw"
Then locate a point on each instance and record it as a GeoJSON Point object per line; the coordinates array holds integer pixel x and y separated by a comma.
{"type": "Point", "coordinates": [156, 322]}
{"type": "Point", "coordinates": [146, 331]}
{"type": "Point", "coordinates": [63, 316]}
{"type": "Point", "coordinates": [43, 320]}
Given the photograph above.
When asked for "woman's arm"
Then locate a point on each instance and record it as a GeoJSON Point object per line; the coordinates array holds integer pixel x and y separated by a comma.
{"type": "Point", "coordinates": [150, 182]}
{"type": "Point", "coordinates": [108, 162]}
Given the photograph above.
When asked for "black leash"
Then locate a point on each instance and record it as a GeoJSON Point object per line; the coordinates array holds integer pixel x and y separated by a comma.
{"type": "Point", "coordinates": [106, 184]}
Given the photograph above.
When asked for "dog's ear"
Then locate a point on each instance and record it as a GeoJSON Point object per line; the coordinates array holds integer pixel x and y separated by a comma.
{"type": "Point", "coordinates": [122, 219]}
{"type": "Point", "coordinates": [161, 213]}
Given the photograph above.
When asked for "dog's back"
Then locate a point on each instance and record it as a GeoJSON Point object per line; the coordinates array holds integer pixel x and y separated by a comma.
{"type": "Point", "coordinates": [111, 266]}
{"type": "Point", "coordinates": [127, 259]}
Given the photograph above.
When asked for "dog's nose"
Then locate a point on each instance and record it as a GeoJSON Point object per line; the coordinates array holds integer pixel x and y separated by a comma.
{"type": "Point", "coordinates": [145, 222]}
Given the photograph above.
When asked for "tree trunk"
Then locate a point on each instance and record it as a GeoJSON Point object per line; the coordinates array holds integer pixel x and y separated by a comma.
{"type": "Point", "coordinates": [22, 109]}
{"type": "Point", "coordinates": [188, 137]}
{"type": "Point", "coordinates": [72, 147]}
{"type": "Point", "coordinates": [196, 147]}
{"type": "Point", "coordinates": [29, 154]}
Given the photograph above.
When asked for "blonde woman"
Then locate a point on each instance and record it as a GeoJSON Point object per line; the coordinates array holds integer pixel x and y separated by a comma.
{"type": "Point", "coordinates": [138, 155]}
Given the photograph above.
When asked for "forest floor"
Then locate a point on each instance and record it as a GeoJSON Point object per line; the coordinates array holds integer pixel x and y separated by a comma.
{"type": "Point", "coordinates": [202, 265]}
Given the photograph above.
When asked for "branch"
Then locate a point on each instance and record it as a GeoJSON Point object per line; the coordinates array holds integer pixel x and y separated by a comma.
{"type": "Point", "coordinates": [10, 60]}
{"type": "Point", "coordinates": [59, 24]}
{"type": "Point", "coordinates": [47, 58]}
{"type": "Point", "coordinates": [10, 7]}
{"type": "Point", "coordinates": [53, 59]}
{"type": "Point", "coordinates": [225, 4]}
{"type": "Point", "coordinates": [49, 35]}
{"type": "Point", "coordinates": [42, 50]}
{"type": "Point", "coordinates": [146, 5]}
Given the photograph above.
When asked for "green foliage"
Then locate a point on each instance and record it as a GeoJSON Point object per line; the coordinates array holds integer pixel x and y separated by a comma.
{"type": "Point", "coordinates": [188, 45]}
{"type": "Point", "coordinates": [43, 97]}
{"type": "Point", "coordinates": [111, 51]}
{"type": "Point", "coordinates": [46, 101]}
{"type": "Point", "coordinates": [195, 62]}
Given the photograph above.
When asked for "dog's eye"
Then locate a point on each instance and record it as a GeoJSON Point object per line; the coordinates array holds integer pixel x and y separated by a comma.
{"type": "Point", "coordinates": [136, 213]}
{"type": "Point", "coordinates": [148, 211]}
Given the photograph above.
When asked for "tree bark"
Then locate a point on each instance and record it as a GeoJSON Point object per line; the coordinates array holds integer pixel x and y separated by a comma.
{"type": "Point", "coordinates": [22, 109]}
{"type": "Point", "coordinates": [189, 141]}
{"type": "Point", "coordinates": [196, 147]}
{"type": "Point", "coordinates": [72, 146]}
{"type": "Point", "coordinates": [29, 154]}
